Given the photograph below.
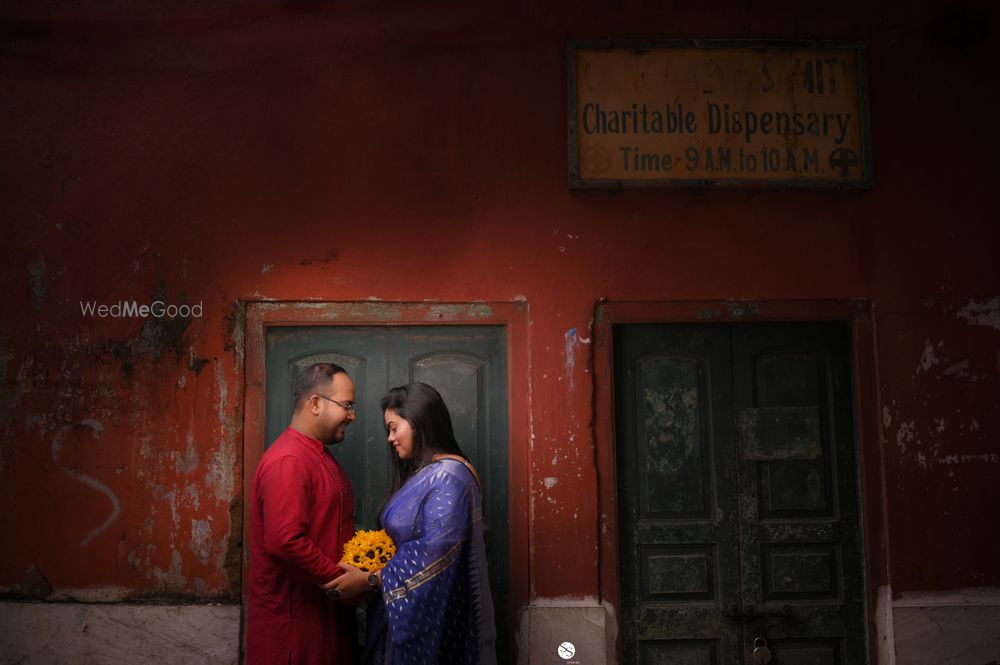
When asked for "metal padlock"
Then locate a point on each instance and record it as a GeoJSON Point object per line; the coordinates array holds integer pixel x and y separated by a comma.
{"type": "Point", "coordinates": [761, 654]}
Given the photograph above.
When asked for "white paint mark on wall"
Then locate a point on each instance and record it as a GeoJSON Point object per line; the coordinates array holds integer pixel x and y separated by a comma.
{"type": "Point", "coordinates": [570, 352]}
{"type": "Point", "coordinates": [959, 370]}
{"type": "Point", "coordinates": [201, 540]}
{"type": "Point", "coordinates": [266, 267]}
{"type": "Point", "coordinates": [906, 434]}
{"type": "Point", "coordinates": [982, 314]}
{"type": "Point", "coordinates": [187, 462]}
{"type": "Point", "coordinates": [220, 474]}
{"type": "Point", "coordinates": [886, 418]}
{"type": "Point", "coordinates": [191, 491]}
{"type": "Point", "coordinates": [220, 381]}
{"type": "Point", "coordinates": [988, 458]}
{"type": "Point", "coordinates": [551, 482]}
{"type": "Point", "coordinates": [928, 359]}
{"type": "Point", "coordinates": [571, 343]}
{"type": "Point", "coordinates": [161, 492]}
{"type": "Point", "coordinates": [90, 481]}
{"type": "Point", "coordinates": [172, 578]}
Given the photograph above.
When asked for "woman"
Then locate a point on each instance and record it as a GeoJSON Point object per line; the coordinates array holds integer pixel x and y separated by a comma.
{"type": "Point", "coordinates": [435, 604]}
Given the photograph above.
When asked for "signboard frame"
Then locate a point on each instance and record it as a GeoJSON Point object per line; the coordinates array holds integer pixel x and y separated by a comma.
{"type": "Point", "coordinates": [642, 45]}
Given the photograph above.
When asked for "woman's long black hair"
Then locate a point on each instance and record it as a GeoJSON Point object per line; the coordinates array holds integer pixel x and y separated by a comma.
{"type": "Point", "coordinates": [423, 408]}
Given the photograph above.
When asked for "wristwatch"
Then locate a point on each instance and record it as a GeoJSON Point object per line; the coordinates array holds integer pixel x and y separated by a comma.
{"type": "Point", "coordinates": [373, 580]}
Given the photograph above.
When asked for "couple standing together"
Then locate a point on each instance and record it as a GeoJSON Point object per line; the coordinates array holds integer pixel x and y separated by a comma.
{"type": "Point", "coordinates": [431, 603]}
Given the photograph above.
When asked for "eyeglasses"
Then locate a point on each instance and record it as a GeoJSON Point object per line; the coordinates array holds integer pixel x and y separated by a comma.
{"type": "Point", "coordinates": [349, 406]}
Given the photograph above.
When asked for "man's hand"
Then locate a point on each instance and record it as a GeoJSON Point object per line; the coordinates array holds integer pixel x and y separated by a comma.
{"type": "Point", "coordinates": [354, 582]}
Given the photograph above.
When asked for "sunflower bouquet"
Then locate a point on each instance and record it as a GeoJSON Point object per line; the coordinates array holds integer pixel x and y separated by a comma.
{"type": "Point", "coordinates": [369, 550]}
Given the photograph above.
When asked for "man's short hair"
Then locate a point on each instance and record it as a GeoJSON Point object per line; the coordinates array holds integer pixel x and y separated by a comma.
{"type": "Point", "coordinates": [316, 376]}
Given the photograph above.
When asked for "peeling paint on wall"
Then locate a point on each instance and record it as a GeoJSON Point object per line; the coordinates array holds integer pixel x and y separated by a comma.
{"type": "Point", "coordinates": [188, 461]}
{"type": "Point", "coordinates": [741, 310]}
{"type": "Point", "coordinates": [570, 354]}
{"type": "Point", "coordinates": [201, 540]}
{"type": "Point", "coordinates": [172, 579]}
{"type": "Point", "coordinates": [571, 342]}
{"type": "Point", "coordinates": [987, 458]}
{"type": "Point", "coordinates": [220, 473]}
{"type": "Point", "coordinates": [986, 313]}
{"type": "Point", "coordinates": [235, 338]}
{"type": "Point", "coordinates": [161, 333]}
{"type": "Point", "coordinates": [938, 437]}
{"type": "Point", "coordinates": [906, 434]}
{"type": "Point", "coordinates": [928, 359]}
{"type": "Point", "coordinates": [958, 371]}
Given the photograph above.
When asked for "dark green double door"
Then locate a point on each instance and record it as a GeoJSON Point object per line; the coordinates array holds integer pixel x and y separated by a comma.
{"type": "Point", "coordinates": [467, 365]}
{"type": "Point", "coordinates": [738, 491]}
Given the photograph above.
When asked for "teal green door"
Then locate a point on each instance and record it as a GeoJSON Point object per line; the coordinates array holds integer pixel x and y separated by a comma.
{"type": "Point", "coordinates": [467, 365]}
{"type": "Point", "coordinates": [738, 494]}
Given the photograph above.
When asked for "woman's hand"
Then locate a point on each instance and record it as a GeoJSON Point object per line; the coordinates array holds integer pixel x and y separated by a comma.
{"type": "Point", "coordinates": [353, 582]}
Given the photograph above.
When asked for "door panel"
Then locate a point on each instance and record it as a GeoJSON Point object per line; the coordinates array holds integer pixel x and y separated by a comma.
{"type": "Point", "coordinates": [800, 527]}
{"type": "Point", "coordinates": [466, 364]}
{"type": "Point", "coordinates": [677, 494]}
{"type": "Point", "coordinates": [461, 380]}
{"type": "Point", "coordinates": [738, 493]}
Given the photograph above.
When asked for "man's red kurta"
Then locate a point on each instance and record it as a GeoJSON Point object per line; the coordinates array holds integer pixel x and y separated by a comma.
{"type": "Point", "coordinates": [302, 513]}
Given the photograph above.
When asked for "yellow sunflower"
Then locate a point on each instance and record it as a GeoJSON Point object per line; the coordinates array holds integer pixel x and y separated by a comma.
{"type": "Point", "coordinates": [369, 550]}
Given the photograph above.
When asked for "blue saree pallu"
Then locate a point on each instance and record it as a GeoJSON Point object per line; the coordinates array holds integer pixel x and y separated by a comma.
{"type": "Point", "coordinates": [436, 606]}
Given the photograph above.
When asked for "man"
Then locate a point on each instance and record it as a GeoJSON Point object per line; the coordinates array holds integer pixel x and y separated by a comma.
{"type": "Point", "coordinates": [302, 513]}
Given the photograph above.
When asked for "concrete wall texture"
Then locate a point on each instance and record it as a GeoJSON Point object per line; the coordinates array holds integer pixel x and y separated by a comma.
{"type": "Point", "coordinates": [219, 153]}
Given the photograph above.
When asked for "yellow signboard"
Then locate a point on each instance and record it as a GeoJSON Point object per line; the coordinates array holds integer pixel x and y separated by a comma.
{"type": "Point", "coordinates": [732, 113]}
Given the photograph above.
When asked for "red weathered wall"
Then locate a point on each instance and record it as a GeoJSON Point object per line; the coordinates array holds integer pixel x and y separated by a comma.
{"type": "Point", "coordinates": [345, 151]}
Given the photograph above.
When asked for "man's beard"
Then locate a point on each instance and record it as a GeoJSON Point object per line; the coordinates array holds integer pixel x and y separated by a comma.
{"type": "Point", "coordinates": [335, 436]}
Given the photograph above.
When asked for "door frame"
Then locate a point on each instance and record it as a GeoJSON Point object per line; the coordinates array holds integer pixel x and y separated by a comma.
{"type": "Point", "coordinates": [513, 316]}
{"type": "Point", "coordinates": [870, 445]}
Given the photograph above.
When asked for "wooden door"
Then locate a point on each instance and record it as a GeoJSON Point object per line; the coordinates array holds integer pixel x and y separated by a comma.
{"type": "Point", "coordinates": [738, 487]}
